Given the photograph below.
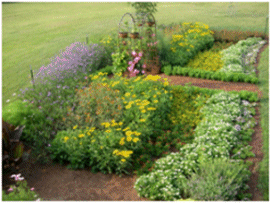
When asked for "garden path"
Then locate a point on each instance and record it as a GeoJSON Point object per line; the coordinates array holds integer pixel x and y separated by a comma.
{"type": "Point", "coordinates": [56, 182]}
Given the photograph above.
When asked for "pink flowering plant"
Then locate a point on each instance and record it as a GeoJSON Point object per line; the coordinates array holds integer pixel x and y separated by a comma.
{"type": "Point", "coordinates": [136, 65]}
{"type": "Point", "coordinates": [20, 191]}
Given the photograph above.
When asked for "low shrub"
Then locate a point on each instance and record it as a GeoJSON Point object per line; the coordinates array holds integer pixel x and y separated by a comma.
{"type": "Point", "coordinates": [218, 180]}
{"type": "Point", "coordinates": [186, 41]}
{"type": "Point", "coordinates": [235, 36]}
{"type": "Point", "coordinates": [77, 59]}
{"type": "Point", "coordinates": [205, 74]}
{"type": "Point", "coordinates": [207, 60]}
{"type": "Point", "coordinates": [117, 143]}
{"type": "Point", "coordinates": [168, 69]}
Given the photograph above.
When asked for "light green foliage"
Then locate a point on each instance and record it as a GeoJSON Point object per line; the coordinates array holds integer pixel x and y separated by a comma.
{"type": "Point", "coordinates": [264, 111]}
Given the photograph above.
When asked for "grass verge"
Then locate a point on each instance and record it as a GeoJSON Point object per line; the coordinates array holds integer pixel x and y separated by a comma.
{"type": "Point", "coordinates": [264, 110]}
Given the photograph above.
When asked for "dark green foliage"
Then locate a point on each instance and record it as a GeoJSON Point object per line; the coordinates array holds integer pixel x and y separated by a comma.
{"type": "Point", "coordinates": [12, 147]}
{"type": "Point", "coordinates": [233, 77]}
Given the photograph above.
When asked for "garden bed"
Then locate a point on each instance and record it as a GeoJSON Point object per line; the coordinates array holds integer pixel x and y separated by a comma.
{"type": "Point", "coordinates": [96, 186]}
{"type": "Point", "coordinates": [132, 128]}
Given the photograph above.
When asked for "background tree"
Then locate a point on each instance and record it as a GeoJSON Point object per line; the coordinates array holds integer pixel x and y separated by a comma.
{"type": "Point", "coordinates": [144, 7]}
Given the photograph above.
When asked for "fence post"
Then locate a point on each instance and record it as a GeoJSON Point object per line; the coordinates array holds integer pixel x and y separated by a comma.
{"type": "Point", "coordinates": [31, 71]}
{"type": "Point", "coordinates": [266, 25]}
{"type": "Point", "coordinates": [87, 39]}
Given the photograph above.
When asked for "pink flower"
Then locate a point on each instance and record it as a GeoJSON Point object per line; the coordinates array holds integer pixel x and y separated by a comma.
{"type": "Point", "coordinates": [143, 72]}
{"type": "Point", "coordinates": [132, 74]}
{"type": "Point", "coordinates": [134, 53]}
{"type": "Point", "coordinates": [137, 59]}
{"type": "Point", "coordinates": [86, 77]}
{"type": "Point", "coordinates": [130, 68]}
{"type": "Point", "coordinates": [136, 71]}
{"type": "Point", "coordinates": [148, 44]}
{"type": "Point", "coordinates": [144, 65]}
{"type": "Point", "coordinates": [10, 189]}
{"type": "Point", "coordinates": [155, 43]}
{"type": "Point", "coordinates": [32, 189]}
{"type": "Point", "coordinates": [130, 62]}
{"type": "Point", "coordinates": [140, 54]}
{"type": "Point", "coordinates": [39, 107]}
{"type": "Point", "coordinates": [153, 35]}
{"type": "Point", "coordinates": [17, 177]}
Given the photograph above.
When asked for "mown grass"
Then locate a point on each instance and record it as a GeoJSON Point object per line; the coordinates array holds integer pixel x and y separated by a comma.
{"type": "Point", "coordinates": [34, 32]}
{"type": "Point", "coordinates": [264, 111]}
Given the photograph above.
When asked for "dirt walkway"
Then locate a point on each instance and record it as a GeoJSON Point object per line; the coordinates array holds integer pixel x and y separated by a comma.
{"type": "Point", "coordinates": [56, 182]}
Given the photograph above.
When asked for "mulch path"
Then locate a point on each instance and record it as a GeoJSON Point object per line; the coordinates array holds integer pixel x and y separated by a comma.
{"type": "Point", "coordinates": [56, 182]}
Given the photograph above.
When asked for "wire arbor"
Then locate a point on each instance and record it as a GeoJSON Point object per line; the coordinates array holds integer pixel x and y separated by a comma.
{"type": "Point", "coordinates": [140, 35]}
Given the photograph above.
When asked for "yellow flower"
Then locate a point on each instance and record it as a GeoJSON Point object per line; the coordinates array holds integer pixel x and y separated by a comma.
{"type": "Point", "coordinates": [166, 83]}
{"type": "Point", "coordinates": [75, 138]}
{"type": "Point", "coordinates": [101, 147]}
{"type": "Point", "coordinates": [141, 107]}
{"type": "Point", "coordinates": [106, 124]}
{"type": "Point", "coordinates": [143, 111]}
{"type": "Point", "coordinates": [108, 131]}
{"type": "Point", "coordinates": [74, 127]}
{"type": "Point", "coordinates": [155, 101]}
{"type": "Point", "coordinates": [151, 109]}
{"type": "Point", "coordinates": [81, 135]}
{"type": "Point", "coordinates": [123, 160]}
{"type": "Point", "coordinates": [128, 133]}
{"type": "Point", "coordinates": [93, 140]}
{"type": "Point", "coordinates": [120, 123]}
{"type": "Point", "coordinates": [127, 94]}
{"type": "Point", "coordinates": [118, 129]}
{"type": "Point", "coordinates": [95, 77]}
{"type": "Point", "coordinates": [122, 141]}
{"type": "Point", "coordinates": [135, 140]}
{"type": "Point", "coordinates": [66, 138]}
{"type": "Point", "coordinates": [129, 139]}
{"type": "Point", "coordinates": [115, 151]}
{"type": "Point", "coordinates": [128, 106]}
{"type": "Point", "coordinates": [154, 96]}
{"type": "Point", "coordinates": [80, 143]}
{"type": "Point", "coordinates": [133, 95]}
{"type": "Point", "coordinates": [126, 129]}
{"type": "Point", "coordinates": [137, 133]}
{"type": "Point", "coordinates": [142, 120]}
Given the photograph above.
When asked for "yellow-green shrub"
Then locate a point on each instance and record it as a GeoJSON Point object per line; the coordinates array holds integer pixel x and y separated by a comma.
{"type": "Point", "coordinates": [207, 60]}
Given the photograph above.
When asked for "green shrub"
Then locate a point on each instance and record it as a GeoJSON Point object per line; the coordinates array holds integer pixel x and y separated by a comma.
{"type": "Point", "coordinates": [168, 69]}
{"type": "Point", "coordinates": [186, 41]}
{"type": "Point", "coordinates": [219, 180]}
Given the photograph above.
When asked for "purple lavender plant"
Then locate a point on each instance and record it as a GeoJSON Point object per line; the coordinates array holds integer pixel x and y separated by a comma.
{"type": "Point", "coordinates": [77, 58]}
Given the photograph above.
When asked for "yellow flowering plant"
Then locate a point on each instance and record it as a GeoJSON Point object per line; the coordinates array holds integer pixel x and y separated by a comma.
{"type": "Point", "coordinates": [187, 40]}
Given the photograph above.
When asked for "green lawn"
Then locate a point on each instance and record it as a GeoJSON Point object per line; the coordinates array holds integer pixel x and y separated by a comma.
{"type": "Point", "coordinates": [264, 110]}
{"type": "Point", "coordinates": [34, 32]}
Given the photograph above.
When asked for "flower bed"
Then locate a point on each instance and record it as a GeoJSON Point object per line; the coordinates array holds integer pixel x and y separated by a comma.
{"type": "Point", "coordinates": [220, 137]}
{"type": "Point", "coordinates": [232, 64]}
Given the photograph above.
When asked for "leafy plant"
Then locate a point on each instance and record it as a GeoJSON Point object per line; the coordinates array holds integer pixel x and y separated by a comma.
{"type": "Point", "coordinates": [12, 147]}
{"type": "Point", "coordinates": [168, 69]}
{"type": "Point", "coordinates": [218, 180]}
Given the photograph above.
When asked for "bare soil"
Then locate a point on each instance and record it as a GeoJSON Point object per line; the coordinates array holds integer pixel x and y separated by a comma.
{"type": "Point", "coordinates": [56, 182]}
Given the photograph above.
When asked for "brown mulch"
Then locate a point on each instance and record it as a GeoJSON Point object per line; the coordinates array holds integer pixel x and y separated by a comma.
{"type": "Point", "coordinates": [56, 182]}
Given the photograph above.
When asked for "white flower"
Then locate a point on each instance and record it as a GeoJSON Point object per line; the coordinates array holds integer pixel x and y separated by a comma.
{"type": "Point", "coordinates": [7, 100]}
